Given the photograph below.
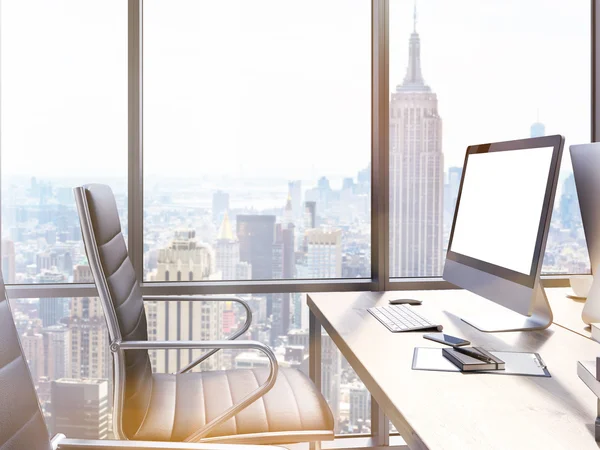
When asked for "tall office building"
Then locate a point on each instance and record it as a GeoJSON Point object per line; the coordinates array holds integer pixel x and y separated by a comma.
{"type": "Point", "coordinates": [416, 174]}
{"type": "Point", "coordinates": [310, 214]}
{"type": "Point", "coordinates": [243, 271]}
{"type": "Point", "coordinates": [90, 355]}
{"type": "Point", "coordinates": [8, 261]}
{"type": "Point", "coordinates": [451, 194]}
{"type": "Point", "coordinates": [256, 234]}
{"type": "Point", "coordinates": [360, 405]}
{"type": "Point", "coordinates": [52, 310]}
{"type": "Point", "coordinates": [57, 350]}
{"type": "Point", "coordinates": [537, 129]}
{"type": "Point", "coordinates": [295, 196]}
{"type": "Point", "coordinates": [284, 265]}
{"type": "Point", "coordinates": [568, 209]}
{"type": "Point", "coordinates": [184, 259]}
{"type": "Point", "coordinates": [220, 205]}
{"type": "Point", "coordinates": [227, 254]}
{"type": "Point", "coordinates": [324, 253]}
{"type": "Point", "coordinates": [331, 368]}
{"type": "Point", "coordinates": [363, 179]}
{"type": "Point", "coordinates": [80, 408]}
{"type": "Point", "coordinates": [33, 349]}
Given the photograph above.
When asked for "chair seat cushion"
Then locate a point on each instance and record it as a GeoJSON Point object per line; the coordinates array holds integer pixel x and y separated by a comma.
{"type": "Point", "coordinates": [292, 411]}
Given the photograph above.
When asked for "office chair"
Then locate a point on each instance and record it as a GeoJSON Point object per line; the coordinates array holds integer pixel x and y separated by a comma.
{"type": "Point", "coordinates": [249, 406]}
{"type": "Point", "coordinates": [22, 425]}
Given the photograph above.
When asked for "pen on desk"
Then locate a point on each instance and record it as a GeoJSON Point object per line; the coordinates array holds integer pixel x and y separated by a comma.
{"type": "Point", "coordinates": [474, 354]}
{"type": "Point", "coordinates": [540, 361]}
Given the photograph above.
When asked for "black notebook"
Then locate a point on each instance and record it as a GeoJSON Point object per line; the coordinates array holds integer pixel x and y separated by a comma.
{"type": "Point", "coordinates": [467, 363]}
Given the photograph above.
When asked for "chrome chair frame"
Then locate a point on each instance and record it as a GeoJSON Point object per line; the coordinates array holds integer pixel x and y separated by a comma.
{"type": "Point", "coordinates": [204, 298]}
{"type": "Point", "coordinates": [60, 442]}
{"type": "Point", "coordinates": [118, 347]}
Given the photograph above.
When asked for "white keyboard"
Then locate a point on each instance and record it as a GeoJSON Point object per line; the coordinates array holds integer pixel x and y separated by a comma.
{"type": "Point", "coordinates": [399, 318]}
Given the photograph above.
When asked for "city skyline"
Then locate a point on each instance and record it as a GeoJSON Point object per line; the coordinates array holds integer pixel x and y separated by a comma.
{"type": "Point", "coordinates": [534, 41]}
{"type": "Point", "coordinates": [284, 197]}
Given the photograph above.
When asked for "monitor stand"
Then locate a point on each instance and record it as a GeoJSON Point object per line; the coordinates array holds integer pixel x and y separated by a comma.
{"type": "Point", "coordinates": [591, 309]}
{"type": "Point", "coordinates": [507, 320]}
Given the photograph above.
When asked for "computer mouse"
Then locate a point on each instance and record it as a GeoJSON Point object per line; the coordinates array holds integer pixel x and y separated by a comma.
{"type": "Point", "coordinates": [405, 301]}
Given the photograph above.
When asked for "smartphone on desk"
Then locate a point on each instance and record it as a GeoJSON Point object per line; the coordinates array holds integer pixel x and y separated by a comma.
{"type": "Point", "coordinates": [446, 339]}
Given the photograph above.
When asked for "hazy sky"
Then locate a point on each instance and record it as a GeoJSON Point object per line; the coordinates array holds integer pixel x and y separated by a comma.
{"type": "Point", "coordinates": [495, 64]}
{"type": "Point", "coordinates": [278, 87]}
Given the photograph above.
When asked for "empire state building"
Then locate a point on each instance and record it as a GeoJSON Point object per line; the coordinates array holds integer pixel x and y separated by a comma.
{"type": "Point", "coordinates": [416, 174]}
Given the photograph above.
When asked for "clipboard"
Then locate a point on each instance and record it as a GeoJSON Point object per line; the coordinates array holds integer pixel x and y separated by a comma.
{"type": "Point", "coordinates": [516, 363]}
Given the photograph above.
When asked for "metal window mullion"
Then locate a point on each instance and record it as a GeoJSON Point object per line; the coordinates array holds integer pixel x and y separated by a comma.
{"type": "Point", "coordinates": [380, 174]}
{"type": "Point", "coordinates": [595, 75]}
{"type": "Point", "coordinates": [259, 287]}
{"type": "Point", "coordinates": [135, 190]}
{"type": "Point", "coordinates": [380, 144]}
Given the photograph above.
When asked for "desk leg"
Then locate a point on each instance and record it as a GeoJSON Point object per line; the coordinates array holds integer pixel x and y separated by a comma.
{"type": "Point", "coordinates": [314, 350]}
{"type": "Point", "coordinates": [380, 426]}
{"type": "Point", "coordinates": [314, 359]}
{"type": "Point", "coordinates": [597, 428]}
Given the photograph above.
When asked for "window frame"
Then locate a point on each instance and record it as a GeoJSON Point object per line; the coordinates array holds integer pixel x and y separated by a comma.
{"type": "Point", "coordinates": [380, 279]}
{"type": "Point", "coordinates": [380, 270]}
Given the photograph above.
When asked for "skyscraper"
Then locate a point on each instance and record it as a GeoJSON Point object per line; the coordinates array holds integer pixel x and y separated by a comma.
{"type": "Point", "coordinates": [184, 259]}
{"type": "Point", "coordinates": [360, 405]}
{"type": "Point", "coordinates": [295, 195]}
{"type": "Point", "coordinates": [227, 252]}
{"type": "Point", "coordinates": [8, 261]}
{"type": "Point", "coordinates": [310, 214]}
{"type": "Point", "coordinates": [324, 255]}
{"type": "Point", "coordinates": [451, 194]}
{"type": "Point", "coordinates": [57, 350]}
{"type": "Point", "coordinates": [220, 205]}
{"type": "Point", "coordinates": [52, 310]}
{"type": "Point", "coordinates": [537, 129]}
{"type": "Point", "coordinates": [256, 234]}
{"type": "Point", "coordinates": [416, 174]}
{"type": "Point", "coordinates": [284, 264]}
{"type": "Point", "coordinates": [90, 356]}
{"type": "Point", "coordinates": [80, 408]}
{"type": "Point", "coordinates": [33, 350]}
{"type": "Point", "coordinates": [331, 368]}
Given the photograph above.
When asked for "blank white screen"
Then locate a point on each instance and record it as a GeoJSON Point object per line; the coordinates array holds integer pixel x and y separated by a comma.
{"type": "Point", "coordinates": [501, 205]}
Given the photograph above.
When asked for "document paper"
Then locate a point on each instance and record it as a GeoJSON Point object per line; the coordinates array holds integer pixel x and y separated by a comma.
{"type": "Point", "coordinates": [517, 363]}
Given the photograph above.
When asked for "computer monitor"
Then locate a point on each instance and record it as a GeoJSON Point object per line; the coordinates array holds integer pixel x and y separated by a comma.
{"type": "Point", "coordinates": [500, 227]}
{"type": "Point", "coordinates": [586, 170]}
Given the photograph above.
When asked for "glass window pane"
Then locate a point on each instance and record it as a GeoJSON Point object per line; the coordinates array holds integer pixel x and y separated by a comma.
{"type": "Point", "coordinates": [257, 139]}
{"type": "Point", "coordinates": [280, 321]}
{"type": "Point", "coordinates": [65, 342]}
{"type": "Point", "coordinates": [474, 72]}
{"type": "Point", "coordinates": [63, 71]}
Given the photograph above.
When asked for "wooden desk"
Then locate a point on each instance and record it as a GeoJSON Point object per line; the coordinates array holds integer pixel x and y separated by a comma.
{"type": "Point", "coordinates": [447, 410]}
{"type": "Point", "coordinates": [567, 310]}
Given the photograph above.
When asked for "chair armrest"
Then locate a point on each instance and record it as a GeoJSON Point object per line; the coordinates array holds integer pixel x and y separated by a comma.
{"type": "Point", "coordinates": [203, 298]}
{"type": "Point", "coordinates": [81, 444]}
{"type": "Point", "coordinates": [231, 411]}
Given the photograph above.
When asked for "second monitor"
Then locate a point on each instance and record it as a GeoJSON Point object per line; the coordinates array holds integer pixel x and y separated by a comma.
{"type": "Point", "coordinates": [500, 227]}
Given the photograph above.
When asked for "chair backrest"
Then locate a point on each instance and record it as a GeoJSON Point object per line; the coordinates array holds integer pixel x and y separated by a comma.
{"type": "Point", "coordinates": [21, 420]}
{"type": "Point", "coordinates": [122, 303]}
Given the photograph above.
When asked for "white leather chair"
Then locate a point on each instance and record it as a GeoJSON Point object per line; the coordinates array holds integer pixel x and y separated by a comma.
{"type": "Point", "coordinates": [249, 406]}
{"type": "Point", "coordinates": [22, 425]}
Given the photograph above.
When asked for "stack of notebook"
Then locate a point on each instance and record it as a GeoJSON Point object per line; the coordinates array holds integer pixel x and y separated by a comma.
{"type": "Point", "coordinates": [469, 359]}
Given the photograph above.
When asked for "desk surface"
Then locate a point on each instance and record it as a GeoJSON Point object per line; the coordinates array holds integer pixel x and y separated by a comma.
{"type": "Point", "coordinates": [447, 410]}
{"type": "Point", "coordinates": [567, 310]}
